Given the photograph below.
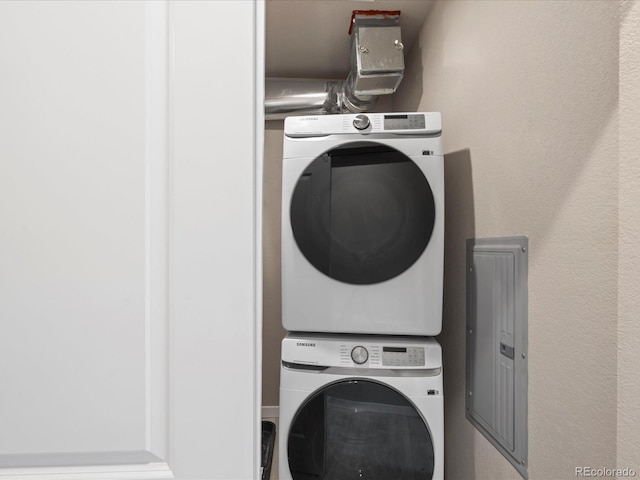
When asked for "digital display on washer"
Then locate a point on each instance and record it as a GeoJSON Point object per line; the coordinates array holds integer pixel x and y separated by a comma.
{"type": "Point", "coordinates": [403, 356]}
{"type": "Point", "coordinates": [404, 122]}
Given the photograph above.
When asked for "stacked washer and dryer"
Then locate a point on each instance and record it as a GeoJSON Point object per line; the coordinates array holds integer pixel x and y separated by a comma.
{"type": "Point", "coordinates": [362, 278]}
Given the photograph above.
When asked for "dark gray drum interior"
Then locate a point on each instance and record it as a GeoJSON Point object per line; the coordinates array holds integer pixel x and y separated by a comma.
{"type": "Point", "coordinates": [362, 213]}
{"type": "Point", "coordinates": [359, 429]}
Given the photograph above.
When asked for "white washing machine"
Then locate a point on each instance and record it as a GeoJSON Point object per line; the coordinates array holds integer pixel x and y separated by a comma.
{"type": "Point", "coordinates": [361, 407]}
{"type": "Point", "coordinates": [363, 224]}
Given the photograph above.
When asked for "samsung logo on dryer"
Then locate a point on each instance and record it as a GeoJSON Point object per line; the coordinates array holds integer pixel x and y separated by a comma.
{"type": "Point", "coordinates": [305, 344]}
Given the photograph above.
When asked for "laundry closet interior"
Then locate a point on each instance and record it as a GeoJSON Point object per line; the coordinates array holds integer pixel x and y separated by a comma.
{"type": "Point", "coordinates": [506, 77]}
{"type": "Point", "coordinates": [150, 270]}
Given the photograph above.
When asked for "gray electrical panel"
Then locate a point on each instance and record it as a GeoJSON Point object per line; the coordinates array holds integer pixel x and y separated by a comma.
{"type": "Point", "coordinates": [496, 402]}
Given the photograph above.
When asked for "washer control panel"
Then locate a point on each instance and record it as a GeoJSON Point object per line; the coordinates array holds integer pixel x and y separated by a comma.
{"type": "Point", "coordinates": [380, 355]}
{"type": "Point", "coordinates": [403, 356]}
{"type": "Point", "coordinates": [362, 351]}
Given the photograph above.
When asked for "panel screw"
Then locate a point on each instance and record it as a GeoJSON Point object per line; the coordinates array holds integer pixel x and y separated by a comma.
{"type": "Point", "coordinates": [523, 463]}
{"type": "Point", "coordinates": [524, 356]}
{"type": "Point", "coordinates": [470, 393]}
{"type": "Point", "coordinates": [398, 44]}
{"type": "Point", "coordinates": [470, 331]}
{"type": "Point", "coordinates": [524, 250]}
{"type": "Point", "coordinates": [363, 49]}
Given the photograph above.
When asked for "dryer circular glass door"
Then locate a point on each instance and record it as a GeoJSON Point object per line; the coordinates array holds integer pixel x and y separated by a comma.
{"type": "Point", "coordinates": [362, 213]}
{"type": "Point", "coordinates": [359, 429]}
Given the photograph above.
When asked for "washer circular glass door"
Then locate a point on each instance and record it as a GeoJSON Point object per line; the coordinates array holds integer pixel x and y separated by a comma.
{"type": "Point", "coordinates": [362, 213]}
{"type": "Point", "coordinates": [359, 429]}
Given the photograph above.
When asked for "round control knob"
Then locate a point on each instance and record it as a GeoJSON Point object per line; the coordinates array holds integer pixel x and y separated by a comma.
{"type": "Point", "coordinates": [359, 355]}
{"type": "Point", "coordinates": [361, 122]}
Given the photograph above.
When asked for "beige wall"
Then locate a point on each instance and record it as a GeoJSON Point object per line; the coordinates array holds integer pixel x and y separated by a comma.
{"type": "Point", "coordinates": [528, 93]}
{"type": "Point", "coordinates": [272, 331]}
{"type": "Point", "coordinates": [629, 215]}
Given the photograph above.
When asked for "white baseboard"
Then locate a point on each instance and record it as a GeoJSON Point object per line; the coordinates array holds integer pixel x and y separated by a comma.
{"type": "Point", "coordinates": [270, 412]}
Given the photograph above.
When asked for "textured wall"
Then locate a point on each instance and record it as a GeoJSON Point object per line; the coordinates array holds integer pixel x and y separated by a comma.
{"type": "Point", "coordinates": [629, 214]}
{"type": "Point", "coordinates": [529, 92]}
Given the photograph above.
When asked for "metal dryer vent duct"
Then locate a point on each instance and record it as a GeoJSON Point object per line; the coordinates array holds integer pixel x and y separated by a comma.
{"type": "Point", "coordinates": [377, 68]}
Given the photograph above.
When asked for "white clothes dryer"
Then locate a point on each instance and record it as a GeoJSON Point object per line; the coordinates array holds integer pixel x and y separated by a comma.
{"type": "Point", "coordinates": [363, 224]}
{"type": "Point", "coordinates": [361, 407]}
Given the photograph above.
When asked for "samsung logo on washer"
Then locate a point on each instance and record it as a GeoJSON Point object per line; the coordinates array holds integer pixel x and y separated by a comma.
{"type": "Point", "coordinates": [305, 344]}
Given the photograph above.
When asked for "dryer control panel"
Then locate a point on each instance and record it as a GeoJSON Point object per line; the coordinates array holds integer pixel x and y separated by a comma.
{"type": "Point", "coordinates": [409, 123]}
{"type": "Point", "coordinates": [404, 121]}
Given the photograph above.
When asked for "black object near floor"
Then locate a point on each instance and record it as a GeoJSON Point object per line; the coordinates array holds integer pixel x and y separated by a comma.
{"type": "Point", "coordinates": [268, 444]}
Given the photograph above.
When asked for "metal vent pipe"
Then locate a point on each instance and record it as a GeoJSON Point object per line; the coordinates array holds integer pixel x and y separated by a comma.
{"type": "Point", "coordinates": [303, 96]}
{"type": "Point", "coordinates": [377, 67]}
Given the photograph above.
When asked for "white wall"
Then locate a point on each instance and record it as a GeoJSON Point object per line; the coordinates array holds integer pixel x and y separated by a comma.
{"type": "Point", "coordinates": [130, 239]}
{"type": "Point", "coordinates": [629, 257]}
{"type": "Point", "coordinates": [529, 93]}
